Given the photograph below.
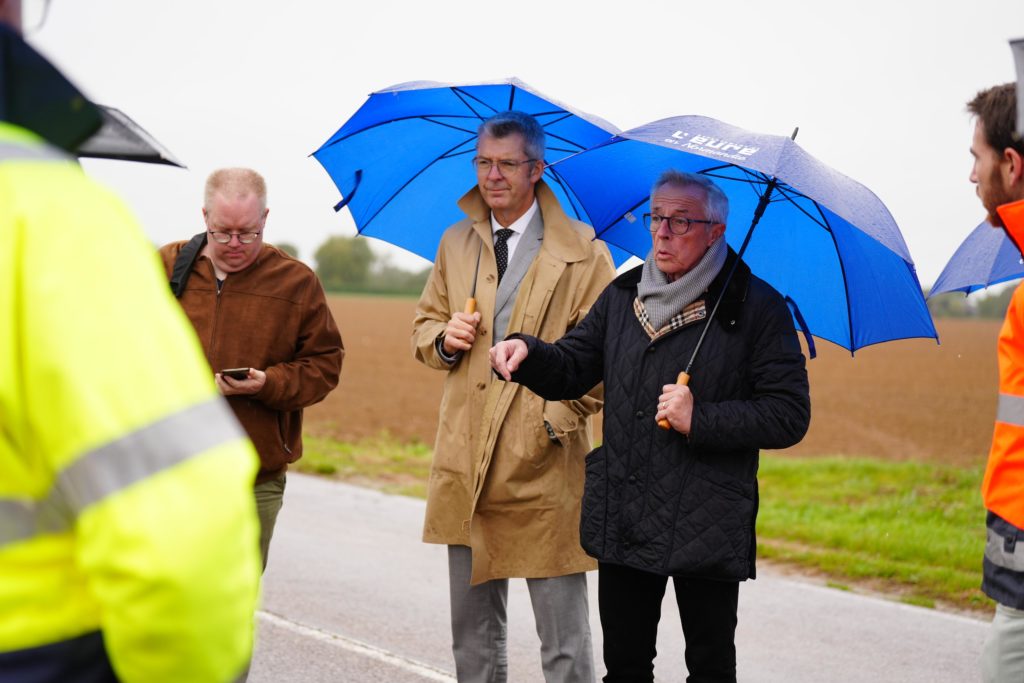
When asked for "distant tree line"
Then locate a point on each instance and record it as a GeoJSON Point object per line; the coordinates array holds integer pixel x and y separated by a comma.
{"type": "Point", "coordinates": [347, 264]}
{"type": "Point", "coordinates": [988, 305]}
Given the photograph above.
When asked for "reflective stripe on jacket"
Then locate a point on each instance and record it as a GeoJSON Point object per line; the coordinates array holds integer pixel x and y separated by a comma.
{"type": "Point", "coordinates": [125, 486]}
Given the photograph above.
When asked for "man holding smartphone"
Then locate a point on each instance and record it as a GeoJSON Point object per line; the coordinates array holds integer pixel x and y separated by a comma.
{"type": "Point", "coordinates": [264, 324]}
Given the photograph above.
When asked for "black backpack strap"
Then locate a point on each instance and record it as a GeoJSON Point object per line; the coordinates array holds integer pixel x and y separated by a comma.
{"type": "Point", "coordinates": [183, 264]}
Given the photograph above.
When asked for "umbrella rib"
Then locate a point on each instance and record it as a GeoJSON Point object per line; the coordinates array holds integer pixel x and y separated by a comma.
{"type": "Point", "coordinates": [786, 191]}
{"type": "Point", "coordinates": [406, 184]}
{"type": "Point", "coordinates": [465, 97]}
{"type": "Point", "coordinates": [449, 155]}
{"type": "Point", "coordinates": [842, 272]}
{"type": "Point", "coordinates": [432, 118]}
{"type": "Point", "coordinates": [823, 222]}
{"type": "Point", "coordinates": [570, 194]}
{"type": "Point", "coordinates": [511, 100]}
{"type": "Point", "coordinates": [752, 178]}
{"type": "Point", "coordinates": [577, 147]}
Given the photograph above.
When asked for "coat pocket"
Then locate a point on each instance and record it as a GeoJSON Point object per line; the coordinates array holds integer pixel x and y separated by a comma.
{"type": "Point", "coordinates": [594, 513]}
{"type": "Point", "coordinates": [714, 527]}
{"type": "Point", "coordinates": [563, 420]}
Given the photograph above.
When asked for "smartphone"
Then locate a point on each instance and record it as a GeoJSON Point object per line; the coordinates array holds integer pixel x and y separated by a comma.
{"type": "Point", "coordinates": [236, 373]}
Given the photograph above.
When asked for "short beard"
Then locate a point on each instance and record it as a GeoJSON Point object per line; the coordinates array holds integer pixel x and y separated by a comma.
{"type": "Point", "coordinates": [995, 195]}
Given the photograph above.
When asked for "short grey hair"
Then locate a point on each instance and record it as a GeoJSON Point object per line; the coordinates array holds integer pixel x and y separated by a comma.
{"type": "Point", "coordinates": [716, 204]}
{"type": "Point", "coordinates": [235, 182]}
{"type": "Point", "coordinates": [507, 123]}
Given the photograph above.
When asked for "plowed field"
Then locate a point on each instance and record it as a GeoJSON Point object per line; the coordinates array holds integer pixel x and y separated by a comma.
{"type": "Point", "coordinates": [905, 400]}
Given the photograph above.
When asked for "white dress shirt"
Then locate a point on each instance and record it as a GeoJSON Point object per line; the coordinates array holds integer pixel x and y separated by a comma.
{"type": "Point", "coordinates": [518, 227]}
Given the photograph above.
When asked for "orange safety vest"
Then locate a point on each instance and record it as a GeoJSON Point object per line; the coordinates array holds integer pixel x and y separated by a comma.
{"type": "Point", "coordinates": [1002, 489]}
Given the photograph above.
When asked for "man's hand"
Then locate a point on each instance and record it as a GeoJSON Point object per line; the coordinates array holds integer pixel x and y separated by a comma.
{"type": "Point", "coordinates": [460, 333]}
{"type": "Point", "coordinates": [233, 387]}
{"type": "Point", "coordinates": [506, 356]}
{"type": "Point", "coordinates": [676, 405]}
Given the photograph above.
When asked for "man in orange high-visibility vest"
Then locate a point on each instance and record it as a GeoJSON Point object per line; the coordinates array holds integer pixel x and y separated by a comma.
{"type": "Point", "coordinates": [998, 172]}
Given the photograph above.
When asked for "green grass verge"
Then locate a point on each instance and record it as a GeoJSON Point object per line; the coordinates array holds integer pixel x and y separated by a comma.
{"type": "Point", "coordinates": [912, 530]}
{"type": "Point", "coordinates": [380, 462]}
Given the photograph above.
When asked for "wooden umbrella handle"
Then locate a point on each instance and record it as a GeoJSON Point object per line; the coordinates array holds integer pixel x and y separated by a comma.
{"type": "Point", "coordinates": [470, 305]}
{"type": "Point", "coordinates": [683, 379]}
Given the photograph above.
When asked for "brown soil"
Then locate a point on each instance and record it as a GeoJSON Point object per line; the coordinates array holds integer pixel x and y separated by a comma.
{"type": "Point", "coordinates": [904, 400]}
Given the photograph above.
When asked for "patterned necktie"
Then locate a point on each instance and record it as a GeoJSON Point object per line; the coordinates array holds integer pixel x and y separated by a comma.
{"type": "Point", "coordinates": [501, 250]}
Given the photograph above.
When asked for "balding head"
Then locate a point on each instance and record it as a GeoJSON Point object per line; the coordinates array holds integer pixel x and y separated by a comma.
{"type": "Point", "coordinates": [234, 183]}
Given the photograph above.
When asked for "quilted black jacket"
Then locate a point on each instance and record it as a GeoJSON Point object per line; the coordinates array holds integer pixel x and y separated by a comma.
{"type": "Point", "coordinates": [658, 500]}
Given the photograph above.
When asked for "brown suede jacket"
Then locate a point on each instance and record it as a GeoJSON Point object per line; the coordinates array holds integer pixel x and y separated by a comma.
{"type": "Point", "coordinates": [272, 316]}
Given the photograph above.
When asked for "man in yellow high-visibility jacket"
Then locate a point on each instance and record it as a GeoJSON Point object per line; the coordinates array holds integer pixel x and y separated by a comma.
{"type": "Point", "coordinates": [128, 537]}
{"type": "Point", "coordinates": [998, 173]}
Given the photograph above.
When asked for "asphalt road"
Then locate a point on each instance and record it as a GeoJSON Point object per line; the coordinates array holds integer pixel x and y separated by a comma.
{"type": "Point", "coordinates": [352, 595]}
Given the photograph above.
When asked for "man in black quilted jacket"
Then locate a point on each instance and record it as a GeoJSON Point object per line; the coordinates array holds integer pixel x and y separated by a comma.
{"type": "Point", "coordinates": [678, 502]}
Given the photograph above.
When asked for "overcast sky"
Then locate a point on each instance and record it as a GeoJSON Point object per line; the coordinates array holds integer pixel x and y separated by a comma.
{"type": "Point", "coordinates": [877, 87]}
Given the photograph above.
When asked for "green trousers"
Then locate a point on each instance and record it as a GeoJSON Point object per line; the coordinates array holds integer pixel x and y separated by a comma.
{"type": "Point", "coordinates": [269, 498]}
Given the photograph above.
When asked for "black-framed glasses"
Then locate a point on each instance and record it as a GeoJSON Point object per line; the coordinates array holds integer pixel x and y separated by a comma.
{"type": "Point", "coordinates": [677, 225]}
{"type": "Point", "coordinates": [225, 237]}
{"type": "Point", "coordinates": [506, 167]}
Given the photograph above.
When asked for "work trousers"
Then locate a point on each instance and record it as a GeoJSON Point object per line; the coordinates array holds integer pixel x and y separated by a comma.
{"type": "Point", "coordinates": [1002, 658]}
{"type": "Point", "coordinates": [77, 660]}
{"type": "Point", "coordinates": [479, 625]}
{"type": "Point", "coordinates": [630, 604]}
{"type": "Point", "coordinates": [269, 498]}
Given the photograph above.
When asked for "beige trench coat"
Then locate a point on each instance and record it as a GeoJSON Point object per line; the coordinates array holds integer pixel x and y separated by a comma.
{"type": "Point", "coordinates": [498, 483]}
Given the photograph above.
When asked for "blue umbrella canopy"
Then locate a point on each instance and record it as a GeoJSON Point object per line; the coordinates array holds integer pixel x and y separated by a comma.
{"type": "Point", "coordinates": [825, 241]}
{"type": "Point", "coordinates": [402, 161]}
{"type": "Point", "coordinates": [985, 258]}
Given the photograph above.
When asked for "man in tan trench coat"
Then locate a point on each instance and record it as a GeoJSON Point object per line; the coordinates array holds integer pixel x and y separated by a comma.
{"type": "Point", "coordinates": [507, 476]}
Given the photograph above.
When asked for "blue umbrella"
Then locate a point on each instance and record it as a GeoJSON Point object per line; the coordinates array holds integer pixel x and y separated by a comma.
{"type": "Point", "coordinates": [985, 258]}
{"type": "Point", "coordinates": [826, 242]}
{"type": "Point", "coordinates": [402, 161]}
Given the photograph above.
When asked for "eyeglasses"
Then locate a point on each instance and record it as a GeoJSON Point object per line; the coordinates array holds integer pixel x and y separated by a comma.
{"type": "Point", "coordinates": [677, 225]}
{"type": "Point", "coordinates": [225, 237]}
{"type": "Point", "coordinates": [506, 167]}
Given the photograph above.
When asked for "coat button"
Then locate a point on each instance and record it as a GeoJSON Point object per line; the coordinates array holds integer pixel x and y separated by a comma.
{"type": "Point", "coordinates": [490, 277]}
{"type": "Point", "coordinates": [639, 413]}
{"type": "Point", "coordinates": [632, 479]}
{"type": "Point", "coordinates": [483, 331]}
{"type": "Point", "coordinates": [650, 349]}
{"type": "Point", "coordinates": [481, 386]}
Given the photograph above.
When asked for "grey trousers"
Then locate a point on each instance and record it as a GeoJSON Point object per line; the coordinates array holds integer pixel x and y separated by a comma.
{"type": "Point", "coordinates": [269, 498]}
{"type": "Point", "coordinates": [1002, 659]}
{"type": "Point", "coordinates": [479, 625]}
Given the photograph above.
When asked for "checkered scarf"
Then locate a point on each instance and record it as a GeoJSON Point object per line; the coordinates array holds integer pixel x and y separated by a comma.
{"type": "Point", "coordinates": [661, 299]}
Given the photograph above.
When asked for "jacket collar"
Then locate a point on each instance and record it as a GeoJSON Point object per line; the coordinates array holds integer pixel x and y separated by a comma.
{"type": "Point", "coordinates": [560, 238]}
{"type": "Point", "coordinates": [36, 96]}
{"type": "Point", "coordinates": [735, 293]}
